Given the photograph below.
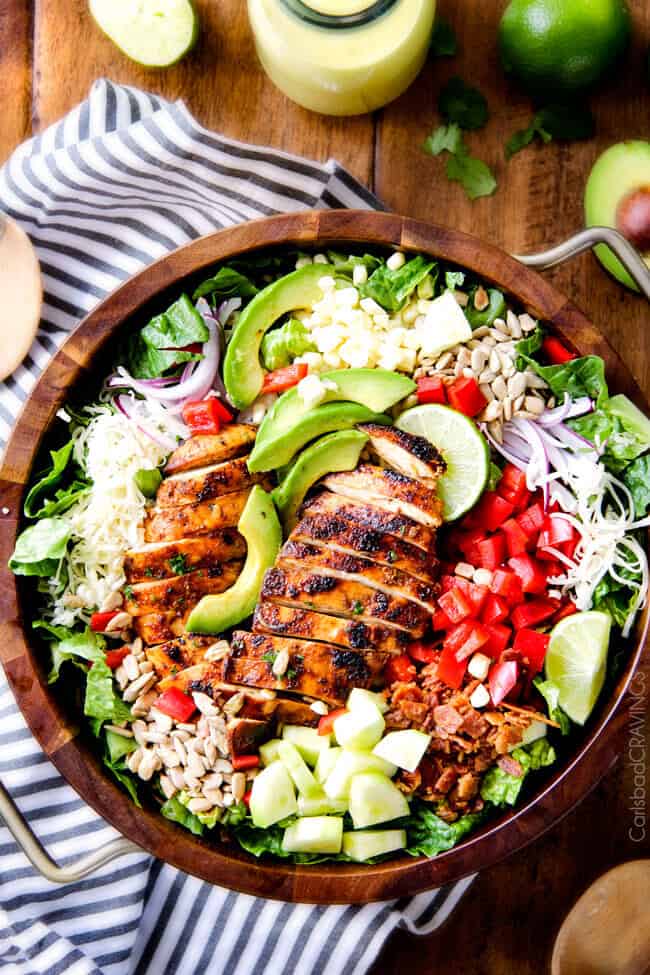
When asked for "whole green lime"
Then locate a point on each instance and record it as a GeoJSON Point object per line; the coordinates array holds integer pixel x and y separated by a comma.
{"type": "Point", "coordinates": [562, 46]}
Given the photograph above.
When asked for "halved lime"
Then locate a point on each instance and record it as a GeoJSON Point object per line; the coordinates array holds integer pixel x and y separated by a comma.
{"type": "Point", "coordinates": [576, 661]}
{"type": "Point", "coordinates": [464, 448]}
{"type": "Point", "coordinates": [155, 33]}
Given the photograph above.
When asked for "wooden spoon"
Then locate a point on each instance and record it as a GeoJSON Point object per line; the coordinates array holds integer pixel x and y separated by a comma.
{"type": "Point", "coordinates": [607, 932]}
{"type": "Point", "coordinates": [22, 295]}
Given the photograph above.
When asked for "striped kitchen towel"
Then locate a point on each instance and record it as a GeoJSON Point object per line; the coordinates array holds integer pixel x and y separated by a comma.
{"type": "Point", "coordinates": [123, 179]}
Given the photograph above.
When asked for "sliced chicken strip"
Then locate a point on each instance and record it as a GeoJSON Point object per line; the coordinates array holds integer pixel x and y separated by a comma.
{"type": "Point", "coordinates": [406, 453]}
{"type": "Point", "coordinates": [160, 627]}
{"type": "Point", "coordinates": [206, 483]}
{"type": "Point", "coordinates": [390, 490]}
{"type": "Point", "coordinates": [339, 597]}
{"type": "Point", "coordinates": [174, 655]}
{"type": "Point", "coordinates": [169, 524]}
{"type": "Point", "coordinates": [342, 535]}
{"type": "Point", "coordinates": [384, 578]}
{"type": "Point", "coordinates": [233, 440]}
{"type": "Point", "coordinates": [161, 560]}
{"type": "Point", "coordinates": [305, 624]}
{"type": "Point", "coordinates": [181, 591]}
{"type": "Point", "coordinates": [373, 517]}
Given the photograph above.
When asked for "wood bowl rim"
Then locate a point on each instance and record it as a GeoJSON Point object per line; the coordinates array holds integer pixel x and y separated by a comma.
{"type": "Point", "coordinates": [221, 864]}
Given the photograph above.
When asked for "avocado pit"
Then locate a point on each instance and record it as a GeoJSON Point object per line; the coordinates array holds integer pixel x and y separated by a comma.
{"type": "Point", "coordinates": [633, 218]}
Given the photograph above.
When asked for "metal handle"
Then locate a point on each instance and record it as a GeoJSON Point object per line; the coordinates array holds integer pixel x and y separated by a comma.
{"type": "Point", "coordinates": [585, 240]}
{"type": "Point", "coordinates": [43, 862]}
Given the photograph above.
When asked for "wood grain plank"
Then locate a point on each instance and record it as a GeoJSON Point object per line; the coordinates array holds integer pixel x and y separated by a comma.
{"type": "Point", "coordinates": [221, 81]}
{"type": "Point", "coordinates": [15, 73]}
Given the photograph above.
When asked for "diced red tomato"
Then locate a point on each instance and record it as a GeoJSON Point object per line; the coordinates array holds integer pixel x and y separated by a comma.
{"type": "Point", "coordinates": [568, 609]}
{"type": "Point", "coordinates": [176, 704]}
{"type": "Point", "coordinates": [451, 670]}
{"type": "Point", "coordinates": [530, 572]}
{"type": "Point", "coordinates": [281, 379]}
{"type": "Point", "coordinates": [448, 582]}
{"type": "Point", "coordinates": [468, 543]}
{"type": "Point", "coordinates": [422, 652]}
{"type": "Point", "coordinates": [115, 657]}
{"type": "Point", "coordinates": [431, 389]}
{"type": "Point", "coordinates": [222, 410]}
{"type": "Point", "coordinates": [465, 396]}
{"type": "Point", "coordinates": [512, 485]}
{"type": "Point", "coordinates": [326, 723]}
{"type": "Point", "coordinates": [399, 669]}
{"type": "Point", "coordinates": [490, 552]}
{"type": "Point", "coordinates": [241, 762]}
{"type": "Point", "coordinates": [495, 610]}
{"type": "Point", "coordinates": [246, 798]}
{"type": "Point", "coordinates": [99, 621]}
{"type": "Point", "coordinates": [466, 638]}
{"type": "Point", "coordinates": [556, 532]}
{"type": "Point", "coordinates": [533, 612]}
{"type": "Point", "coordinates": [206, 416]}
{"type": "Point", "coordinates": [532, 647]}
{"type": "Point", "coordinates": [501, 680]}
{"type": "Point", "coordinates": [473, 593]}
{"type": "Point", "coordinates": [532, 520]}
{"type": "Point", "coordinates": [517, 541]}
{"type": "Point", "coordinates": [499, 638]}
{"type": "Point", "coordinates": [507, 584]}
{"type": "Point", "coordinates": [455, 605]}
{"type": "Point", "coordinates": [440, 621]}
{"type": "Point", "coordinates": [556, 352]}
{"type": "Point", "coordinates": [493, 510]}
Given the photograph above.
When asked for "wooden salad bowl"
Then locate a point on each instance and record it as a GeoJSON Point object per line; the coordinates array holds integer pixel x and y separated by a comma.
{"type": "Point", "coordinates": [79, 364]}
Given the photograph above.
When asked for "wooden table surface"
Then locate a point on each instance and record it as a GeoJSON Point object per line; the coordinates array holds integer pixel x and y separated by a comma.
{"type": "Point", "coordinates": [50, 53]}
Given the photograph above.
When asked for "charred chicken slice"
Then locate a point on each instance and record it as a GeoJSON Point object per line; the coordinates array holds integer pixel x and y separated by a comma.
{"type": "Point", "coordinates": [202, 450]}
{"type": "Point", "coordinates": [406, 453]}
{"type": "Point", "coordinates": [206, 483]}
{"type": "Point", "coordinates": [313, 669]}
{"type": "Point", "coordinates": [366, 515]}
{"type": "Point", "coordinates": [181, 591]}
{"type": "Point", "coordinates": [174, 655]}
{"type": "Point", "coordinates": [341, 535]}
{"type": "Point", "coordinates": [305, 624]}
{"type": "Point", "coordinates": [324, 593]}
{"type": "Point", "coordinates": [160, 627]}
{"type": "Point", "coordinates": [353, 568]}
{"type": "Point", "coordinates": [170, 524]}
{"type": "Point", "coordinates": [160, 560]}
{"type": "Point", "coordinates": [390, 490]}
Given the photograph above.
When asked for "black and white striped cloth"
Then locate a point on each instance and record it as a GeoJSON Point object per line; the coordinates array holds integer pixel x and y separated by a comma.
{"type": "Point", "coordinates": [123, 179]}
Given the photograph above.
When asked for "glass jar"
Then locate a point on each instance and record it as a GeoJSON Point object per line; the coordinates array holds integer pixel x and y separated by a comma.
{"type": "Point", "coordinates": [342, 57]}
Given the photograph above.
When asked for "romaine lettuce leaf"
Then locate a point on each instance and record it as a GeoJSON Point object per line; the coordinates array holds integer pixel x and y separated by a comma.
{"type": "Point", "coordinates": [77, 647]}
{"type": "Point", "coordinates": [614, 597]}
{"type": "Point", "coordinates": [502, 789]}
{"type": "Point", "coordinates": [578, 377]}
{"type": "Point", "coordinates": [118, 746]}
{"type": "Point", "coordinates": [40, 548]}
{"type": "Point", "coordinates": [429, 835]}
{"type": "Point", "coordinates": [602, 427]}
{"type": "Point", "coordinates": [174, 810]}
{"type": "Point", "coordinates": [391, 289]}
{"type": "Point", "coordinates": [551, 694]}
{"type": "Point", "coordinates": [281, 345]}
{"type": "Point", "coordinates": [636, 478]}
{"type": "Point", "coordinates": [36, 504]}
{"type": "Point", "coordinates": [160, 345]}
{"type": "Point", "coordinates": [226, 283]}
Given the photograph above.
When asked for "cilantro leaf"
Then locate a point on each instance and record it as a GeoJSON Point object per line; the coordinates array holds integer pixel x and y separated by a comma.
{"type": "Point", "coordinates": [564, 122]}
{"type": "Point", "coordinates": [443, 39]}
{"type": "Point", "coordinates": [463, 104]}
{"type": "Point", "coordinates": [475, 176]}
{"type": "Point", "coordinates": [446, 138]}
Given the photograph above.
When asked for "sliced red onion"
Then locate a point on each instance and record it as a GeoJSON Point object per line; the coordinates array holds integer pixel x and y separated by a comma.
{"type": "Point", "coordinates": [124, 381]}
{"type": "Point", "coordinates": [226, 308]}
{"type": "Point", "coordinates": [575, 441]}
{"type": "Point", "coordinates": [504, 450]}
{"type": "Point", "coordinates": [125, 405]}
{"type": "Point", "coordinates": [566, 411]}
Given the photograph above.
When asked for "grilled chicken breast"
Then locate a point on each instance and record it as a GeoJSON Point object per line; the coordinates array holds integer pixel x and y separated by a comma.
{"type": "Point", "coordinates": [314, 669]}
{"type": "Point", "coordinates": [233, 440]}
{"type": "Point", "coordinates": [160, 627]}
{"type": "Point", "coordinates": [168, 658]}
{"type": "Point", "coordinates": [341, 565]}
{"type": "Point", "coordinates": [390, 490]}
{"type": "Point", "coordinates": [366, 515]}
{"type": "Point", "coordinates": [324, 593]}
{"type": "Point", "coordinates": [181, 591]}
{"type": "Point", "coordinates": [206, 483]}
{"type": "Point", "coordinates": [406, 453]}
{"type": "Point", "coordinates": [305, 624]}
{"type": "Point", "coordinates": [170, 524]}
{"type": "Point", "coordinates": [353, 539]}
{"type": "Point", "coordinates": [160, 560]}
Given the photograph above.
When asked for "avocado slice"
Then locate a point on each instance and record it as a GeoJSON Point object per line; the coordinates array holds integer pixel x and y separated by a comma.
{"type": "Point", "coordinates": [334, 452]}
{"type": "Point", "coordinates": [376, 389]}
{"type": "Point", "coordinates": [618, 195]}
{"type": "Point", "coordinates": [242, 372]}
{"type": "Point", "coordinates": [273, 452]}
{"type": "Point", "coordinates": [260, 527]}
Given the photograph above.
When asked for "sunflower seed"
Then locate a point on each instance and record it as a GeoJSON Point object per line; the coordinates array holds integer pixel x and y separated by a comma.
{"type": "Point", "coordinates": [121, 677]}
{"type": "Point", "coordinates": [468, 372]}
{"type": "Point", "coordinates": [134, 759]}
{"type": "Point", "coordinates": [228, 799]}
{"type": "Point", "coordinates": [507, 409]}
{"type": "Point", "coordinates": [496, 431]}
{"type": "Point", "coordinates": [167, 786]}
{"type": "Point", "coordinates": [163, 721]}
{"type": "Point", "coordinates": [131, 667]}
{"type": "Point", "coordinates": [319, 707]}
{"type": "Point", "coordinates": [445, 360]}
{"type": "Point", "coordinates": [489, 341]}
{"type": "Point", "coordinates": [487, 377]}
{"type": "Point", "coordinates": [215, 796]}
{"type": "Point", "coordinates": [169, 756]}
{"type": "Point", "coordinates": [478, 359]}
{"type": "Point", "coordinates": [193, 784]}
{"type": "Point", "coordinates": [534, 405]}
{"type": "Point", "coordinates": [222, 765]}
{"type": "Point", "coordinates": [481, 332]}
{"type": "Point", "coordinates": [487, 391]}
{"type": "Point", "coordinates": [195, 765]}
{"type": "Point", "coordinates": [515, 327]}
{"type": "Point", "coordinates": [120, 621]}
{"type": "Point", "coordinates": [144, 682]}
{"type": "Point", "coordinates": [527, 323]}
{"type": "Point", "coordinates": [516, 385]}
{"type": "Point", "coordinates": [492, 411]}
{"type": "Point", "coordinates": [533, 381]}
{"type": "Point", "coordinates": [147, 766]}
{"type": "Point", "coordinates": [155, 737]}
{"type": "Point", "coordinates": [217, 651]}
{"type": "Point", "coordinates": [199, 805]}
{"type": "Point", "coordinates": [117, 730]}
{"type": "Point", "coordinates": [178, 777]}
{"type": "Point", "coordinates": [281, 663]}
{"type": "Point", "coordinates": [494, 362]}
{"type": "Point", "coordinates": [238, 786]}
{"type": "Point", "coordinates": [180, 734]}
{"type": "Point", "coordinates": [518, 403]}
{"type": "Point", "coordinates": [210, 752]}
{"type": "Point", "coordinates": [113, 601]}
{"type": "Point", "coordinates": [204, 703]}
{"type": "Point", "coordinates": [213, 780]}
{"type": "Point", "coordinates": [499, 387]}
{"type": "Point", "coordinates": [236, 702]}
{"type": "Point", "coordinates": [501, 326]}
{"type": "Point", "coordinates": [181, 751]}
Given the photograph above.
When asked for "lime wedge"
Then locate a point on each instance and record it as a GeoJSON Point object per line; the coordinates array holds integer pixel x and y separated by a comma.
{"type": "Point", "coordinates": [464, 448]}
{"type": "Point", "coordinates": [576, 661]}
{"type": "Point", "coordinates": [155, 33]}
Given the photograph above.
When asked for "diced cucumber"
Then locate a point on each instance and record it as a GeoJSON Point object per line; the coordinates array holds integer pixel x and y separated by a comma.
{"type": "Point", "coordinates": [375, 799]}
{"type": "Point", "coordinates": [349, 764]}
{"type": "Point", "coordinates": [318, 834]}
{"type": "Point", "coordinates": [269, 751]}
{"type": "Point", "coordinates": [403, 748]}
{"type": "Point", "coordinates": [361, 728]}
{"type": "Point", "coordinates": [326, 762]}
{"type": "Point", "coordinates": [358, 697]}
{"type": "Point", "coordinates": [321, 805]}
{"type": "Point", "coordinates": [272, 797]}
{"type": "Point", "coordinates": [307, 740]}
{"type": "Point", "coordinates": [365, 844]}
{"type": "Point", "coordinates": [297, 768]}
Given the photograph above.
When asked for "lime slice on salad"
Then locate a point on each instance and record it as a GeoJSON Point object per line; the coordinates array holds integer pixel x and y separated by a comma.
{"type": "Point", "coordinates": [464, 448]}
{"type": "Point", "coordinates": [576, 661]}
{"type": "Point", "coordinates": [155, 33]}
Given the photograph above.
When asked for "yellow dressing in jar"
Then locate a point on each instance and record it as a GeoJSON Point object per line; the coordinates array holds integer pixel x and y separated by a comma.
{"type": "Point", "coordinates": [342, 57]}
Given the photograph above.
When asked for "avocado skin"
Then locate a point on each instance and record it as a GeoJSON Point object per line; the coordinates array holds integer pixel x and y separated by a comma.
{"type": "Point", "coordinates": [619, 171]}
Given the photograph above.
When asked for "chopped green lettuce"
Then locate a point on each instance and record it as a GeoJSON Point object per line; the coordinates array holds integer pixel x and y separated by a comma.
{"type": "Point", "coordinates": [345, 264]}
{"type": "Point", "coordinates": [614, 597]}
{"type": "Point", "coordinates": [76, 647]}
{"type": "Point", "coordinates": [502, 789]}
{"type": "Point", "coordinates": [495, 309]}
{"type": "Point", "coordinates": [37, 504]}
{"type": "Point", "coordinates": [161, 344]}
{"type": "Point", "coordinates": [603, 428]}
{"type": "Point", "coordinates": [578, 377]}
{"type": "Point", "coordinates": [281, 345]}
{"type": "Point", "coordinates": [636, 478]}
{"type": "Point", "coordinates": [494, 476]}
{"type": "Point", "coordinates": [528, 347]}
{"type": "Point", "coordinates": [118, 746]}
{"type": "Point", "coordinates": [40, 548]}
{"type": "Point", "coordinates": [429, 835]}
{"type": "Point", "coordinates": [551, 694]}
{"type": "Point", "coordinates": [175, 811]}
{"type": "Point", "coordinates": [226, 283]}
{"type": "Point", "coordinates": [391, 289]}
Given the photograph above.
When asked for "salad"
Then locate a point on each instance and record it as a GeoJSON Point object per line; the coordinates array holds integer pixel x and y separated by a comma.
{"type": "Point", "coordinates": [343, 552]}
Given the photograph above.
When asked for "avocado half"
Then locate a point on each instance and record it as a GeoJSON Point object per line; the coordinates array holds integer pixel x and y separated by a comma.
{"type": "Point", "coordinates": [618, 195]}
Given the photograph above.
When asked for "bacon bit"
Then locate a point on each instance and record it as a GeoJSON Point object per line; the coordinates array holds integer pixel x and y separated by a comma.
{"type": "Point", "coordinates": [446, 781]}
{"type": "Point", "coordinates": [473, 724]}
{"type": "Point", "coordinates": [506, 736]}
{"type": "Point", "coordinates": [530, 714]}
{"type": "Point", "coordinates": [408, 782]}
{"type": "Point", "coordinates": [510, 766]}
{"type": "Point", "coordinates": [415, 711]}
{"type": "Point", "coordinates": [447, 718]}
{"type": "Point", "coordinates": [467, 786]}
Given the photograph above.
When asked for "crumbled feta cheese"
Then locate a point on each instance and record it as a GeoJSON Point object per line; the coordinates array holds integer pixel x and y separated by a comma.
{"type": "Point", "coordinates": [312, 391]}
{"type": "Point", "coordinates": [346, 297]}
{"type": "Point", "coordinates": [326, 283]}
{"type": "Point", "coordinates": [480, 697]}
{"type": "Point", "coordinates": [312, 359]}
{"type": "Point", "coordinates": [396, 261]}
{"type": "Point", "coordinates": [356, 354]}
{"type": "Point", "coordinates": [371, 307]}
{"type": "Point", "coordinates": [479, 666]}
